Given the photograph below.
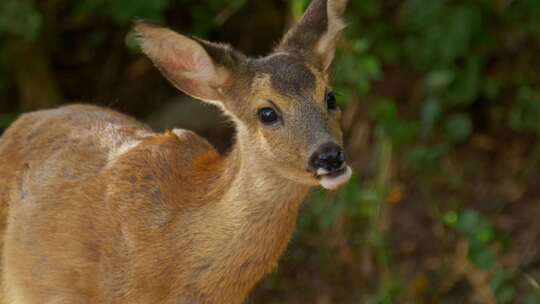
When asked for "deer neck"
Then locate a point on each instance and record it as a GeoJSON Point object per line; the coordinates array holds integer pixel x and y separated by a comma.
{"type": "Point", "coordinates": [256, 216]}
{"type": "Point", "coordinates": [257, 192]}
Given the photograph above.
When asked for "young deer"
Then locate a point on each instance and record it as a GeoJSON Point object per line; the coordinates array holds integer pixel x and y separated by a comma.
{"type": "Point", "coordinates": [97, 208]}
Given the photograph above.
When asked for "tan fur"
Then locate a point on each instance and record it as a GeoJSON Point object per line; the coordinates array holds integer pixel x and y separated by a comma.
{"type": "Point", "coordinates": [97, 208]}
{"type": "Point", "coordinates": [168, 221]}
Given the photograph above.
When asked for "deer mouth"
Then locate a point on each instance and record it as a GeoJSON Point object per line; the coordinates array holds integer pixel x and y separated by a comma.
{"type": "Point", "coordinates": [332, 180]}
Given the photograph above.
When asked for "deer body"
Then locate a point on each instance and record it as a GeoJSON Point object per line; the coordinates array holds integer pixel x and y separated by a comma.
{"type": "Point", "coordinates": [158, 222]}
{"type": "Point", "coordinates": [97, 208]}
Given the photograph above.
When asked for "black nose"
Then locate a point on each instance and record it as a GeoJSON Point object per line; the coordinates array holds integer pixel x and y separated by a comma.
{"type": "Point", "coordinates": [329, 156]}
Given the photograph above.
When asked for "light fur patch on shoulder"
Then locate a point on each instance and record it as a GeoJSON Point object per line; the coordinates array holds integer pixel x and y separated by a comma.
{"type": "Point", "coordinates": [122, 149]}
{"type": "Point", "coordinates": [122, 140]}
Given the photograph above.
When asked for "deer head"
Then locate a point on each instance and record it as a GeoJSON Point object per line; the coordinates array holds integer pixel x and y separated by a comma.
{"type": "Point", "coordinates": [282, 104]}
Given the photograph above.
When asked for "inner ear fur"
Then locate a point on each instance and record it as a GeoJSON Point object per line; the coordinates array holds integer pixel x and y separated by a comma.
{"type": "Point", "coordinates": [316, 34]}
{"type": "Point", "coordinates": [197, 67]}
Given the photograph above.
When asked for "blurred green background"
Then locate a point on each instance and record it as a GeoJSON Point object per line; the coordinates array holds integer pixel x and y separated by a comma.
{"type": "Point", "coordinates": [441, 105]}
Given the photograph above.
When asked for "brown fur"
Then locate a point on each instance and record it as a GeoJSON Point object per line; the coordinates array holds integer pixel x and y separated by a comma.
{"type": "Point", "coordinates": [97, 208]}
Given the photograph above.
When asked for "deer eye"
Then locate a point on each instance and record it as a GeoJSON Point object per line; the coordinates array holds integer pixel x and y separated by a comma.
{"type": "Point", "coordinates": [268, 116]}
{"type": "Point", "coordinates": [331, 102]}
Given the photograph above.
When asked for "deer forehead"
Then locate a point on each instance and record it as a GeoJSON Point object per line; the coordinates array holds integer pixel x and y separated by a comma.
{"type": "Point", "coordinates": [288, 76]}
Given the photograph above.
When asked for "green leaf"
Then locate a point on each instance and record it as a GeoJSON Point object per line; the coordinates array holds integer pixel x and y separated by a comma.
{"type": "Point", "coordinates": [7, 119]}
{"type": "Point", "coordinates": [370, 66]}
{"type": "Point", "coordinates": [431, 114]}
{"type": "Point", "coordinates": [458, 127]}
{"type": "Point", "coordinates": [298, 7]}
{"type": "Point", "coordinates": [501, 285]}
{"type": "Point", "coordinates": [466, 88]}
{"type": "Point", "coordinates": [131, 41]}
{"type": "Point", "coordinates": [481, 255]}
{"type": "Point", "coordinates": [450, 218]}
{"type": "Point", "coordinates": [533, 299]}
{"type": "Point", "coordinates": [426, 159]}
{"type": "Point", "coordinates": [20, 18]}
{"type": "Point", "coordinates": [467, 221]}
{"type": "Point", "coordinates": [383, 110]}
{"type": "Point", "coordinates": [525, 114]}
{"type": "Point", "coordinates": [439, 80]}
{"type": "Point", "coordinates": [491, 88]}
{"type": "Point", "coordinates": [484, 234]}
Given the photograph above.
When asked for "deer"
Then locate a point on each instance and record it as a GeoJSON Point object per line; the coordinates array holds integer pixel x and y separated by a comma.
{"type": "Point", "coordinates": [98, 208]}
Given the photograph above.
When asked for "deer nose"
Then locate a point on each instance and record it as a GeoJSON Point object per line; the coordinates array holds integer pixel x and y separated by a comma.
{"type": "Point", "coordinates": [329, 157]}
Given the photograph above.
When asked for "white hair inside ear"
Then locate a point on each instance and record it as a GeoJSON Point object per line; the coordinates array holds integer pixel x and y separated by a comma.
{"type": "Point", "coordinates": [327, 44]}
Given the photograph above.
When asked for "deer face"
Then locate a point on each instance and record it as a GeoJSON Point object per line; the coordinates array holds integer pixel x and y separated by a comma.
{"type": "Point", "coordinates": [283, 105]}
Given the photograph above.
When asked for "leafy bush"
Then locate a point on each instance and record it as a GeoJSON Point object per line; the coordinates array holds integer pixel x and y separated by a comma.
{"type": "Point", "coordinates": [20, 18]}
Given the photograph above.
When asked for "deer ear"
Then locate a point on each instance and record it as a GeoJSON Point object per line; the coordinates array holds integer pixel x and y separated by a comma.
{"type": "Point", "coordinates": [196, 67]}
{"type": "Point", "coordinates": [316, 34]}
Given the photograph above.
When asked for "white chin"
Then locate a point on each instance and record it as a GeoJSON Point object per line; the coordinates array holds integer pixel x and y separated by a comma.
{"type": "Point", "coordinates": [333, 182]}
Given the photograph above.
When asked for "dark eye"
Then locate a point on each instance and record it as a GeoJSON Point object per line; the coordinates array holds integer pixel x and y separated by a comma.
{"type": "Point", "coordinates": [268, 116]}
{"type": "Point", "coordinates": [331, 102]}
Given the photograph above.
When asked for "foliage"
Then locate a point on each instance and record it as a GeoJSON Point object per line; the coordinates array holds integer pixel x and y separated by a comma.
{"type": "Point", "coordinates": [6, 120]}
{"type": "Point", "coordinates": [482, 242]}
{"type": "Point", "coordinates": [122, 12]}
{"type": "Point", "coordinates": [451, 51]}
{"type": "Point", "coordinates": [20, 18]}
